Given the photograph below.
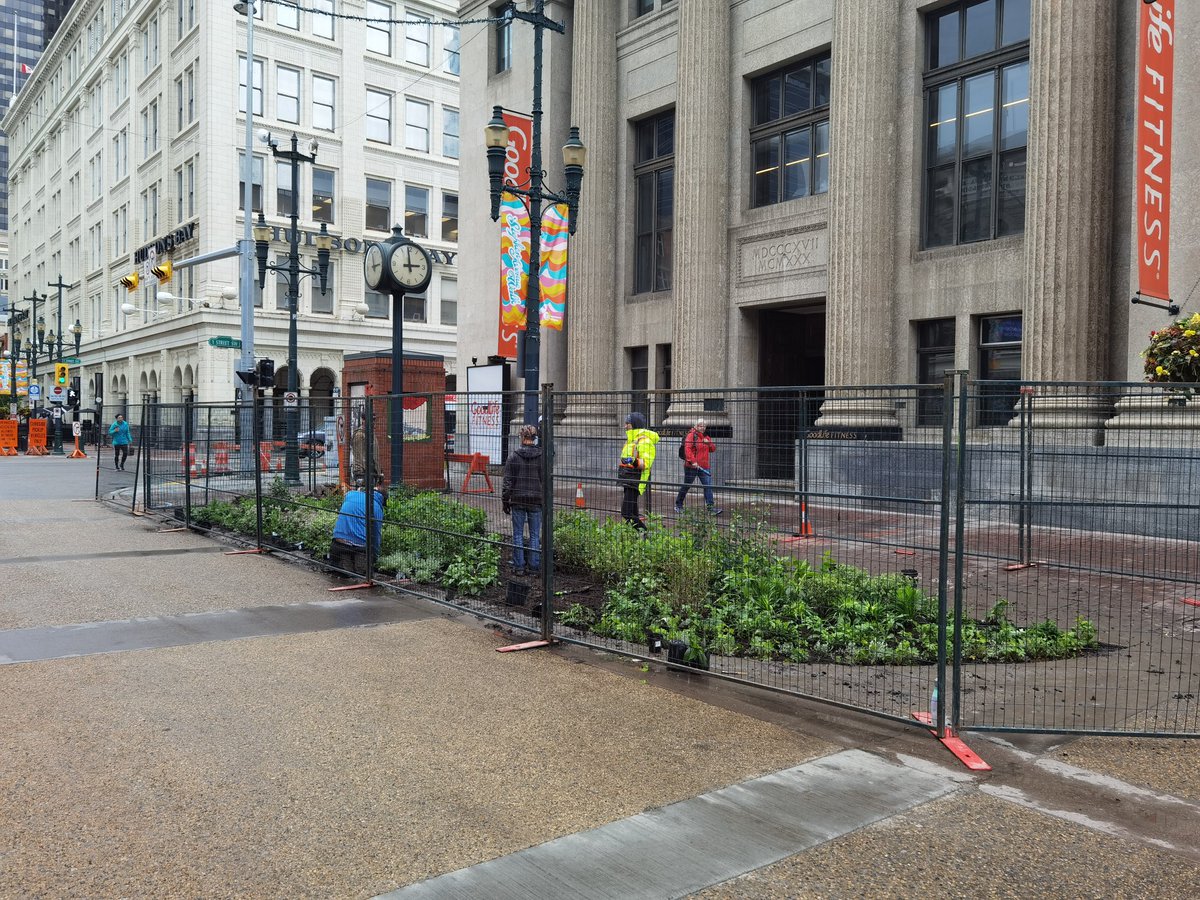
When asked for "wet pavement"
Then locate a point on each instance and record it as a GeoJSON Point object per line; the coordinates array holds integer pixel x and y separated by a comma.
{"type": "Point", "coordinates": [235, 730]}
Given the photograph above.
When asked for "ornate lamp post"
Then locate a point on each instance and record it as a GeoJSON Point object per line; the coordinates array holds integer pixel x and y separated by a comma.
{"type": "Point", "coordinates": [39, 333]}
{"type": "Point", "coordinates": [293, 271]}
{"type": "Point", "coordinates": [533, 192]}
{"type": "Point", "coordinates": [77, 331]}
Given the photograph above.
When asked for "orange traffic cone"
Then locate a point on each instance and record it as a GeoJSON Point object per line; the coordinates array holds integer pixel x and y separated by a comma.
{"type": "Point", "coordinates": [580, 503]}
{"type": "Point", "coordinates": [805, 525]}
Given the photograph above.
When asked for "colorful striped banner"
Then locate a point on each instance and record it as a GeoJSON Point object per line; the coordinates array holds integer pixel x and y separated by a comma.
{"type": "Point", "coordinates": [552, 277]}
{"type": "Point", "coordinates": [514, 259]}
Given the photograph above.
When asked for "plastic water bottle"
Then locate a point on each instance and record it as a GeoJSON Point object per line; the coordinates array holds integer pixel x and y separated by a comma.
{"type": "Point", "coordinates": [934, 708]}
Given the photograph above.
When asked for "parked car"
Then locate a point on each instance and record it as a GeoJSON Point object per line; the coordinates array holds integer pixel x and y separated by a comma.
{"type": "Point", "coordinates": [312, 443]}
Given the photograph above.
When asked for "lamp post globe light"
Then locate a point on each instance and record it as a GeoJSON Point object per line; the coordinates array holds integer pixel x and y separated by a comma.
{"type": "Point", "coordinates": [533, 192]}
{"type": "Point", "coordinates": [397, 266]}
{"type": "Point", "coordinates": [293, 271]}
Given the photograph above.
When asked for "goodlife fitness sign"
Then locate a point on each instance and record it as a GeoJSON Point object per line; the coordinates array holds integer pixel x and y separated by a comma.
{"type": "Point", "coordinates": [1156, 76]}
{"type": "Point", "coordinates": [517, 161]}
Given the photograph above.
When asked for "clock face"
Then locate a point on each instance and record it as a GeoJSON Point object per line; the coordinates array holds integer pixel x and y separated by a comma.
{"type": "Point", "coordinates": [410, 266]}
{"type": "Point", "coordinates": [373, 266]}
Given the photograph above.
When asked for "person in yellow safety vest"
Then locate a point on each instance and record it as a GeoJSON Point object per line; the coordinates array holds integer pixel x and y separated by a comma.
{"type": "Point", "coordinates": [633, 472]}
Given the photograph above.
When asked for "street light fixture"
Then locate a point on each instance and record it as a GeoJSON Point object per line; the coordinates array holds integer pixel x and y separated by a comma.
{"type": "Point", "coordinates": [227, 293]}
{"type": "Point", "coordinates": [77, 331]}
{"type": "Point", "coordinates": [293, 271]}
{"type": "Point", "coordinates": [533, 192]}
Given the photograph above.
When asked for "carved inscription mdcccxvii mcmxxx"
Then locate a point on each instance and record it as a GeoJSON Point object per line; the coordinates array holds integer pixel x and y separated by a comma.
{"type": "Point", "coordinates": [783, 253]}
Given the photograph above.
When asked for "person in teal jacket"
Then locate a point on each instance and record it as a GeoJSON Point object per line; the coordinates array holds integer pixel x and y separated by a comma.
{"type": "Point", "coordinates": [119, 432]}
{"type": "Point", "coordinates": [637, 456]}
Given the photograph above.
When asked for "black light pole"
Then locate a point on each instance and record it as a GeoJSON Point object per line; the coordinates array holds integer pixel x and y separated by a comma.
{"type": "Point", "coordinates": [14, 350]}
{"type": "Point", "coordinates": [293, 271]}
{"type": "Point", "coordinates": [574, 154]}
{"type": "Point", "coordinates": [39, 332]}
{"type": "Point", "coordinates": [59, 284]}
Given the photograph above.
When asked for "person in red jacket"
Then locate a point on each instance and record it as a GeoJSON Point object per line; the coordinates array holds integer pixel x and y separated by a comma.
{"type": "Point", "coordinates": [697, 448]}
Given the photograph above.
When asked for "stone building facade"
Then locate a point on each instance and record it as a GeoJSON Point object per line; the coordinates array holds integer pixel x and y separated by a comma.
{"type": "Point", "coordinates": [826, 192]}
{"type": "Point", "coordinates": [128, 145]}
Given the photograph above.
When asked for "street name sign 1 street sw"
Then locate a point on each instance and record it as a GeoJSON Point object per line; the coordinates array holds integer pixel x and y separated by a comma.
{"type": "Point", "coordinates": [225, 343]}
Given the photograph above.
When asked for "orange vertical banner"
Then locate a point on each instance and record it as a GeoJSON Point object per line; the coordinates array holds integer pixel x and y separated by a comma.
{"type": "Point", "coordinates": [1156, 73]}
{"type": "Point", "coordinates": [518, 159]}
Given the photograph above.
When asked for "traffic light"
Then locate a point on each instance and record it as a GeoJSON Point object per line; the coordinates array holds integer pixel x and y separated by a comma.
{"type": "Point", "coordinates": [162, 271]}
{"type": "Point", "coordinates": [62, 374]}
{"type": "Point", "coordinates": [266, 373]}
{"type": "Point", "coordinates": [130, 281]}
{"type": "Point", "coordinates": [73, 393]}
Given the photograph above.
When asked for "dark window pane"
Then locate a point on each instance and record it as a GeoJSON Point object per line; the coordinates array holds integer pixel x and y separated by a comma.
{"type": "Point", "coordinates": [645, 141]}
{"type": "Point", "coordinates": [644, 263]}
{"type": "Point", "coordinates": [766, 171]}
{"type": "Point", "coordinates": [1000, 330]}
{"type": "Point", "coordinates": [665, 144]}
{"type": "Point", "coordinates": [1010, 214]}
{"type": "Point", "coordinates": [322, 195]}
{"type": "Point", "coordinates": [1014, 99]}
{"type": "Point", "coordinates": [979, 114]}
{"type": "Point", "coordinates": [975, 204]}
{"type": "Point", "coordinates": [414, 307]}
{"type": "Point", "coordinates": [662, 261]}
{"type": "Point", "coordinates": [943, 40]}
{"type": "Point", "coordinates": [797, 160]}
{"type": "Point", "coordinates": [450, 217]}
{"type": "Point", "coordinates": [377, 305]}
{"type": "Point", "coordinates": [1016, 22]}
{"type": "Point", "coordinates": [943, 124]}
{"type": "Point", "coordinates": [766, 99]}
{"type": "Point", "coordinates": [665, 201]}
{"type": "Point", "coordinates": [379, 202]}
{"type": "Point", "coordinates": [980, 31]}
{"type": "Point", "coordinates": [821, 82]}
{"type": "Point", "coordinates": [820, 181]}
{"type": "Point", "coordinates": [645, 204]}
{"type": "Point", "coordinates": [939, 207]}
{"type": "Point", "coordinates": [797, 90]}
{"type": "Point", "coordinates": [938, 333]}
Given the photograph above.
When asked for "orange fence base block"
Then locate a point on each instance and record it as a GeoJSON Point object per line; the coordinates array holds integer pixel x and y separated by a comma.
{"type": "Point", "coordinates": [955, 745]}
{"type": "Point", "coordinates": [528, 645]}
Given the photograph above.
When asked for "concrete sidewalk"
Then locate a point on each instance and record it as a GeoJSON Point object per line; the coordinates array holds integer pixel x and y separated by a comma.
{"type": "Point", "coordinates": [286, 756]}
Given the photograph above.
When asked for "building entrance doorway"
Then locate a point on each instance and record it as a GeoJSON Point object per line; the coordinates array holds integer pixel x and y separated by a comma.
{"type": "Point", "coordinates": [791, 361]}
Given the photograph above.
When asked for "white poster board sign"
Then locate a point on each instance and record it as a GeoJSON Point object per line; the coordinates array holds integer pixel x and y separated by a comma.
{"type": "Point", "coordinates": [485, 411]}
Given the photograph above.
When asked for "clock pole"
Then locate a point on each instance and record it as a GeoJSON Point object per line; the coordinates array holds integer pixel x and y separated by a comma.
{"type": "Point", "coordinates": [397, 474]}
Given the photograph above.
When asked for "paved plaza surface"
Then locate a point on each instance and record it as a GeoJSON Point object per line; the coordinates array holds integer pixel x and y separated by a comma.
{"type": "Point", "coordinates": [175, 721]}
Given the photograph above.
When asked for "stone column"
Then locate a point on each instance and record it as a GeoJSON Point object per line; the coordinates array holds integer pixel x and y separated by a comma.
{"type": "Point", "coordinates": [1068, 205]}
{"type": "Point", "coordinates": [593, 291]}
{"type": "Point", "coordinates": [860, 310]}
{"type": "Point", "coordinates": [700, 231]}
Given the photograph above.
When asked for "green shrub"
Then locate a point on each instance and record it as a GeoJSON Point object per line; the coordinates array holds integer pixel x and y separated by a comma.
{"type": "Point", "coordinates": [475, 568]}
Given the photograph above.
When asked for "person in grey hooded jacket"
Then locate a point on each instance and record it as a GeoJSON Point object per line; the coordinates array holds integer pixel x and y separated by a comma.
{"type": "Point", "coordinates": [521, 496]}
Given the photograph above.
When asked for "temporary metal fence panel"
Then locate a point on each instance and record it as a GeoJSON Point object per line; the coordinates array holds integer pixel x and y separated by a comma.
{"type": "Point", "coordinates": [1004, 503]}
{"type": "Point", "coordinates": [1079, 510]}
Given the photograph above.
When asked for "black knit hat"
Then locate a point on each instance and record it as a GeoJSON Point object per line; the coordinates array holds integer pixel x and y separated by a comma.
{"type": "Point", "coordinates": [635, 420]}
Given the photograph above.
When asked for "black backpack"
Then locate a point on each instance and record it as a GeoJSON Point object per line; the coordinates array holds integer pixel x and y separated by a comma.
{"type": "Point", "coordinates": [683, 447]}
